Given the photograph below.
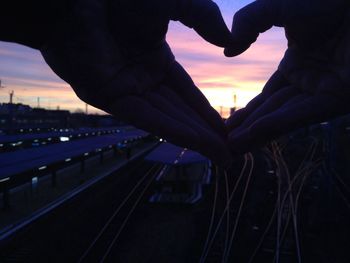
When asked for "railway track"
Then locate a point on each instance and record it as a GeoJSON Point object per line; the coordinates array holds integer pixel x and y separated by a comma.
{"type": "Point", "coordinates": [91, 224]}
{"type": "Point", "coordinates": [220, 237]}
{"type": "Point", "coordinates": [281, 240]}
{"type": "Point", "coordinates": [106, 239]}
{"type": "Point", "coordinates": [278, 237]}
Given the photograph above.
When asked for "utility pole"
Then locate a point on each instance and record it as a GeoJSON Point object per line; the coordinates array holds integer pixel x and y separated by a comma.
{"type": "Point", "coordinates": [11, 96]}
{"type": "Point", "coordinates": [235, 100]}
{"type": "Point", "coordinates": [86, 109]}
{"type": "Point", "coordinates": [38, 101]}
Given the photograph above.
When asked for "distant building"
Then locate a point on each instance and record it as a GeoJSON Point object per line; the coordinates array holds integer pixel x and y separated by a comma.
{"type": "Point", "coordinates": [19, 116]}
{"type": "Point", "coordinates": [7, 108]}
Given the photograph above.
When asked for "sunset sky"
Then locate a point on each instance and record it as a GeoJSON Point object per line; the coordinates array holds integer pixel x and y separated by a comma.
{"type": "Point", "coordinates": [23, 70]}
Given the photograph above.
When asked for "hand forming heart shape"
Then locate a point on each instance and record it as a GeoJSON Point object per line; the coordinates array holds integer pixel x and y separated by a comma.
{"type": "Point", "coordinates": [312, 83]}
{"type": "Point", "coordinates": [115, 57]}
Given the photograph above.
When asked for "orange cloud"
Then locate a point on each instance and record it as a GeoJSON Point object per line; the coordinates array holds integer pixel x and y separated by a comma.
{"type": "Point", "coordinates": [220, 77]}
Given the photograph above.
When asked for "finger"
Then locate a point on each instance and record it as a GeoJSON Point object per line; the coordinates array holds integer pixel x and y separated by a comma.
{"type": "Point", "coordinates": [271, 104]}
{"type": "Point", "coordinates": [181, 83]}
{"type": "Point", "coordinates": [244, 140]}
{"type": "Point", "coordinates": [276, 82]}
{"type": "Point", "coordinates": [144, 115]}
{"type": "Point", "coordinates": [302, 111]}
{"type": "Point", "coordinates": [248, 23]}
{"type": "Point", "coordinates": [238, 117]}
{"type": "Point", "coordinates": [209, 143]}
{"type": "Point", "coordinates": [197, 123]}
{"type": "Point", "coordinates": [179, 104]}
{"type": "Point", "coordinates": [304, 21]}
{"type": "Point", "coordinates": [203, 16]}
{"type": "Point", "coordinates": [206, 19]}
{"type": "Point", "coordinates": [308, 29]}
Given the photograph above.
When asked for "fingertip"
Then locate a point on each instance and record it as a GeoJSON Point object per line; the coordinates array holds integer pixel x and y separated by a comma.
{"type": "Point", "coordinates": [229, 52]}
{"type": "Point", "coordinates": [236, 119]}
{"type": "Point", "coordinates": [221, 129]}
{"type": "Point", "coordinates": [236, 50]}
{"type": "Point", "coordinates": [228, 122]}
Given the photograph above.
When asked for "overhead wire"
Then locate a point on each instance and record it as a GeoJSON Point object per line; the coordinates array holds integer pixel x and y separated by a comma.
{"type": "Point", "coordinates": [232, 236]}
{"type": "Point", "coordinates": [212, 218]}
{"type": "Point", "coordinates": [211, 241]}
{"type": "Point", "coordinates": [115, 213]}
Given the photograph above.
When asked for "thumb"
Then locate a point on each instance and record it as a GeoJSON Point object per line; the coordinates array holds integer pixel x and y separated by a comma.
{"type": "Point", "coordinates": [249, 22]}
{"type": "Point", "coordinates": [306, 21]}
{"type": "Point", "coordinates": [205, 18]}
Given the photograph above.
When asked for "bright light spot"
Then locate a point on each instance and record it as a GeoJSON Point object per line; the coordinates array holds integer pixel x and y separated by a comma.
{"type": "Point", "coordinates": [42, 168]}
{"type": "Point", "coordinates": [68, 160]}
{"type": "Point", "coordinates": [64, 139]}
{"type": "Point", "coordinates": [16, 143]}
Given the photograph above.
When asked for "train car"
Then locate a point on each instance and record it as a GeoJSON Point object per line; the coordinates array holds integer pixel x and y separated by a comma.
{"type": "Point", "coordinates": [183, 177]}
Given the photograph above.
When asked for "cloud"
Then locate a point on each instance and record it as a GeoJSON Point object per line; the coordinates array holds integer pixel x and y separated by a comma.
{"type": "Point", "coordinates": [210, 70]}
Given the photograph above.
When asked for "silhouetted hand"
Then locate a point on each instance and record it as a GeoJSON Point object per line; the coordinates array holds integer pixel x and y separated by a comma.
{"type": "Point", "coordinates": [115, 57]}
{"type": "Point", "coordinates": [312, 83]}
